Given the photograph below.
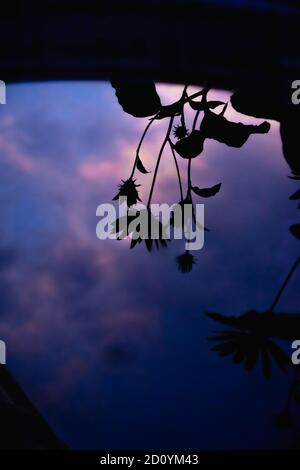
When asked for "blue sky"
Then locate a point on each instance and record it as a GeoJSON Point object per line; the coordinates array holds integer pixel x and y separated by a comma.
{"type": "Point", "coordinates": [111, 343]}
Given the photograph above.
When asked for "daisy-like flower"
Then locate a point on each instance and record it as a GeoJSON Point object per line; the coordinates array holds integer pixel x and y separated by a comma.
{"type": "Point", "coordinates": [154, 232]}
{"type": "Point", "coordinates": [128, 189]}
{"type": "Point", "coordinates": [250, 348]}
{"type": "Point", "coordinates": [185, 262]}
{"type": "Point", "coordinates": [154, 227]}
{"type": "Point", "coordinates": [180, 131]}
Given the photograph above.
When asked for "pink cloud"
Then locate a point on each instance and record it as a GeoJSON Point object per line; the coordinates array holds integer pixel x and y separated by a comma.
{"type": "Point", "coordinates": [14, 156]}
{"type": "Point", "coordinates": [93, 170]}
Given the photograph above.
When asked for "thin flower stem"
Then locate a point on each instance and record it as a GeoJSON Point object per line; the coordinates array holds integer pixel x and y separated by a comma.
{"type": "Point", "coordinates": [189, 176]}
{"type": "Point", "coordinates": [189, 197]}
{"type": "Point", "coordinates": [185, 88]}
{"type": "Point", "coordinates": [223, 110]}
{"type": "Point", "coordinates": [189, 190]}
{"type": "Point", "coordinates": [184, 95]}
{"type": "Point", "coordinates": [185, 100]}
{"type": "Point", "coordinates": [182, 118]}
{"type": "Point", "coordinates": [177, 169]}
{"type": "Point", "coordinates": [284, 284]}
{"type": "Point", "coordinates": [204, 100]}
{"type": "Point", "coordinates": [140, 144]}
{"type": "Point", "coordinates": [158, 160]}
{"type": "Point", "coordinates": [195, 95]}
{"type": "Point", "coordinates": [195, 119]}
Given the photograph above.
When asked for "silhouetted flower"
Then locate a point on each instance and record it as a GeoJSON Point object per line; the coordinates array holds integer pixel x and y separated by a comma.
{"type": "Point", "coordinates": [247, 348]}
{"type": "Point", "coordinates": [180, 132]}
{"type": "Point", "coordinates": [185, 262]}
{"type": "Point", "coordinates": [154, 233]}
{"type": "Point", "coordinates": [121, 226]}
{"type": "Point", "coordinates": [190, 146]}
{"type": "Point", "coordinates": [128, 189]}
{"type": "Point", "coordinates": [283, 420]}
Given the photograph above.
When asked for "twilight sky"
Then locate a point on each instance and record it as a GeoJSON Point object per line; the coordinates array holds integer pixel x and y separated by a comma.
{"type": "Point", "coordinates": [111, 343]}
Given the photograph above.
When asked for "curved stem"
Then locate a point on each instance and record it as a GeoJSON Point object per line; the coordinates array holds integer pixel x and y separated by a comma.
{"type": "Point", "coordinates": [189, 198]}
{"type": "Point", "coordinates": [204, 100]}
{"type": "Point", "coordinates": [223, 110]}
{"type": "Point", "coordinates": [189, 176]}
{"type": "Point", "coordinates": [177, 169]}
{"type": "Point", "coordinates": [140, 144]}
{"type": "Point", "coordinates": [185, 100]}
{"type": "Point", "coordinates": [195, 119]}
{"type": "Point", "coordinates": [195, 95]}
{"type": "Point", "coordinates": [184, 96]}
{"type": "Point", "coordinates": [182, 118]}
{"type": "Point", "coordinates": [158, 160]}
{"type": "Point", "coordinates": [284, 284]}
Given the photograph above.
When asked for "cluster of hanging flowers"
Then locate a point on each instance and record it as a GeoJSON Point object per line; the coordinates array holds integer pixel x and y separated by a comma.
{"type": "Point", "coordinates": [143, 101]}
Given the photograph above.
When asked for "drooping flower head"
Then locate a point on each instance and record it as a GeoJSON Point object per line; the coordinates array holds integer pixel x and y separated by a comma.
{"type": "Point", "coordinates": [128, 189]}
{"type": "Point", "coordinates": [142, 226]}
{"type": "Point", "coordinates": [185, 262]}
{"type": "Point", "coordinates": [180, 131]}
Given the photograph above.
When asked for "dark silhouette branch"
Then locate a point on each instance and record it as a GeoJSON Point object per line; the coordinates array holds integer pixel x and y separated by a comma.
{"type": "Point", "coordinates": [140, 144]}
{"type": "Point", "coordinates": [177, 169]}
{"type": "Point", "coordinates": [284, 284]}
{"type": "Point", "coordinates": [158, 160]}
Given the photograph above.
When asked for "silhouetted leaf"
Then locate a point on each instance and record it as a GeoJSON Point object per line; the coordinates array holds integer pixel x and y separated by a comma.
{"type": "Point", "coordinates": [270, 102]}
{"type": "Point", "coordinates": [123, 227]}
{"type": "Point", "coordinates": [214, 126]}
{"type": "Point", "coordinates": [140, 166]}
{"type": "Point", "coordinates": [170, 110]}
{"type": "Point", "coordinates": [295, 230]}
{"type": "Point", "coordinates": [280, 357]}
{"type": "Point", "coordinates": [120, 226]}
{"type": "Point", "coordinates": [260, 102]}
{"type": "Point", "coordinates": [280, 325]}
{"type": "Point", "coordinates": [191, 146]}
{"type": "Point", "coordinates": [201, 105]}
{"type": "Point", "coordinates": [289, 131]}
{"type": "Point", "coordinates": [207, 192]}
{"type": "Point", "coordinates": [297, 178]}
{"type": "Point", "coordinates": [138, 98]}
{"type": "Point", "coordinates": [295, 196]}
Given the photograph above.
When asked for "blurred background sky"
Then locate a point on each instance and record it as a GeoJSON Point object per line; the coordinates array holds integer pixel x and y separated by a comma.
{"type": "Point", "coordinates": [111, 343]}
